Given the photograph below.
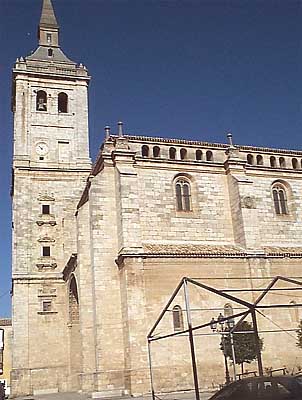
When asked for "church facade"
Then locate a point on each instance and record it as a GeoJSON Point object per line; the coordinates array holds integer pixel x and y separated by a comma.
{"type": "Point", "coordinates": [97, 251]}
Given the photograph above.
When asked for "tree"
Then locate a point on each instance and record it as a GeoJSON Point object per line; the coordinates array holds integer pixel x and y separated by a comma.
{"type": "Point", "coordinates": [299, 335]}
{"type": "Point", "coordinates": [245, 345]}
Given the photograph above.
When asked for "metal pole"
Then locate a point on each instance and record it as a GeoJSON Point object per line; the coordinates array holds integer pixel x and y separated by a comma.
{"type": "Point", "coordinates": [191, 338]}
{"type": "Point", "coordinates": [257, 342]}
{"type": "Point", "coordinates": [233, 355]}
{"type": "Point", "coordinates": [227, 373]}
{"type": "Point", "coordinates": [151, 372]}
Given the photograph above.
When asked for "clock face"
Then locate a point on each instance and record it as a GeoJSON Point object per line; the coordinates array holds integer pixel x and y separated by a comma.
{"type": "Point", "coordinates": [41, 148]}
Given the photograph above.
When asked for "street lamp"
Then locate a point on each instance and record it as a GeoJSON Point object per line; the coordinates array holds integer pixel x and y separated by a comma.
{"type": "Point", "coordinates": [220, 325]}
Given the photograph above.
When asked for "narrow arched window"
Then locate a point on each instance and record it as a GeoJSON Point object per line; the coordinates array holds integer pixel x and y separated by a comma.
{"type": "Point", "coordinates": [198, 155]}
{"type": "Point", "coordinates": [282, 162]}
{"type": "Point", "coordinates": [228, 310]}
{"type": "Point", "coordinates": [178, 323]}
{"type": "Point", "coordinates": [41, 101]}
{"type": "Point", "coordinates": [280, 200]}
{"type": "Point", "coordinates": [250, 159]}
{"type": "Point", "coordinates": [273, 162]}
{"type": "Point", "coordinates": [209, 156]}
{"type": "Point", "coordinates": [259, 160]}
{"type": "Point", "coordinates": [172, 153]}
{"type": "Point", "coordinates": [156, 151]}
{"type": "Point", "coordinates": [183, 195]}
{"type": "Point", "coordinates": [50, 52]}
{"type": "Point", "coordinates": [62, 103]}
{"type": "Point", "coordinates": [145, 151]}
{"type": "Point", "coordinates": [183, 154]}
{"type": "Point", "coordinates": [294, 311]}
{"type": "Point", "coordinates": [295, 163]}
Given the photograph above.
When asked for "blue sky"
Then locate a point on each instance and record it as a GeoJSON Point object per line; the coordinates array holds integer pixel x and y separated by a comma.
{"type": "Point", "coordinates": [185, 69]}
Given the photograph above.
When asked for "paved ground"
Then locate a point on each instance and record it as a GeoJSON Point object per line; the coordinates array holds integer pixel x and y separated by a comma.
{"type": "Point", "coordinates": [80, 396]}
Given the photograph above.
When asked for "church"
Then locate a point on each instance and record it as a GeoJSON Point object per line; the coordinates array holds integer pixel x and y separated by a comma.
{"type": "Point", "coordinates": [98, 249]}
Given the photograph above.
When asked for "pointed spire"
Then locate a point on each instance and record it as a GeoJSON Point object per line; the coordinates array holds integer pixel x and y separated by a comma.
{"type": "Point", "coordinates": [48, 18]}
{"type": "Point", "coordinates": [48, 32]}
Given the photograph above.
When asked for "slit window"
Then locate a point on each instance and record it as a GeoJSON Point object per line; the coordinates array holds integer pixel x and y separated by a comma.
{"type": "Point", "coordinates": [45, 209]}
{"type": "Point", "coordinates": [62, 103]}
{"type": "Point", "coordinates": [46, 251]}
{"type": "Point", "coordinates": [280, 201]}
{"type": "Point", "coordinates": [46, 305]}
{"type": "Point", "coordinates": [48, 37]}
{"type": "Point", "coordinates": [41, 101]}
{"type": "Point", "coordinates": [183, 195]}
{"type": "Point", "coordinates": [178, 323]}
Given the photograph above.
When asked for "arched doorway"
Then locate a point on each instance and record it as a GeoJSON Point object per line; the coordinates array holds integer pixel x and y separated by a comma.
{"type": "Point", "coordinates": [75, 351]}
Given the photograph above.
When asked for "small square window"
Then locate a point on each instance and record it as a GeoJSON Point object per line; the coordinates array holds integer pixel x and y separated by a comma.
{"type": "Point", "coordinates": [45, 209]}
{"type": "Point", "coordinates": [46, 251]}
{"type": "Point", "coordinates": [41, 158]}
{"type": "Point", "coordinates": [46, 305]}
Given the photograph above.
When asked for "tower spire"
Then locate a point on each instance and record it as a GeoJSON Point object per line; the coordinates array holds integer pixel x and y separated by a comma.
{"type": "Point", "coordinates": [48, 31]}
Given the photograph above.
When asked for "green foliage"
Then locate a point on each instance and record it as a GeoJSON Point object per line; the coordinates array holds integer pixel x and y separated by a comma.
{"type": "Point", "coordinates": [244, 344]}
{"type": "Point", "coordinates": [299, 335]}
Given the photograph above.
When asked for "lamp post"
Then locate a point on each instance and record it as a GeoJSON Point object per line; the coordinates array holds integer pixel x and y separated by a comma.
{"type": "Point", "coordinates": [220, 326]}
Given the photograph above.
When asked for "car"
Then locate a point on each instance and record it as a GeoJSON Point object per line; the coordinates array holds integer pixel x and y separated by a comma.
{"type": "Point", "coordinates": [285, 387]}
{"type": "Point", "coordinates": [2, 392]}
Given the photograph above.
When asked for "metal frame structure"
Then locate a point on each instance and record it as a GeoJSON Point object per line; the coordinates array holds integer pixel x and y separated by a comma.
{"type": "Point", "coordinates": [252, 309]}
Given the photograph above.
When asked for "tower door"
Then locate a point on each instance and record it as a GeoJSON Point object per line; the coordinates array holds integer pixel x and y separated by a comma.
{"type": "Point", "coordinates": [75, 358]}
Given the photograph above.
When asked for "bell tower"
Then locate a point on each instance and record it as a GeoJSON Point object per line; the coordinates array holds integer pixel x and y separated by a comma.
{"type": "Point", "coordinates": [50, 166]}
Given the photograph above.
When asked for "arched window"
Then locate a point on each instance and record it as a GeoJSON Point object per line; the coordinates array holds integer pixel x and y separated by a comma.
{"type": "Point", "coordinates": [178, 323]}
{"type": "Point", "coordinates": [273, 162]}
{"type": "Point", "coordinates": [280, 200]}
{"type": "Point", "coordinates": [294, 311]}
{"type": "Point", "coordinates": [172, 153]}
{"type": "Point", "coordinates": [198, 155]}
{"type": "Point", "coordinates": [228, 310]}
{"type": "Point", "coordinates": [50, 52]}
{"type": "Point", "coordinates": [259, 160]}
{"type": "Point", "coordinates": [74, 314]}
{"type": "Point", "coordinates": [145, 151]}
{"type": "Point", "coordinates": [41, 101]}
{"type": "Point", "coordinates": [62, 103]}
{"type": "Point", "coordinates": [295, 163]}
{"type": "Point", "coordinates": [282, 162]}
{"type": "Point", "coordinates": [209, 156]}
{"type": "Point", "coordinates": [250, 159]}
{"type": "Point", "coordinates": [183, 195]}
{"type": "Point", "coordinates": [183, 154]}
{"type": "Point", "coordinates": [156, 151]}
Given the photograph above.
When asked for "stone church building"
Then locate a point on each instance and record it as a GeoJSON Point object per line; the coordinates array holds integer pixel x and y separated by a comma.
{"type": "Point", "coordinates": [98, 250]}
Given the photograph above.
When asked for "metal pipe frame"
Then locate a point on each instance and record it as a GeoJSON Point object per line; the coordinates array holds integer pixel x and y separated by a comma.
{"type": "Point", "coordinates": [252, 308]}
